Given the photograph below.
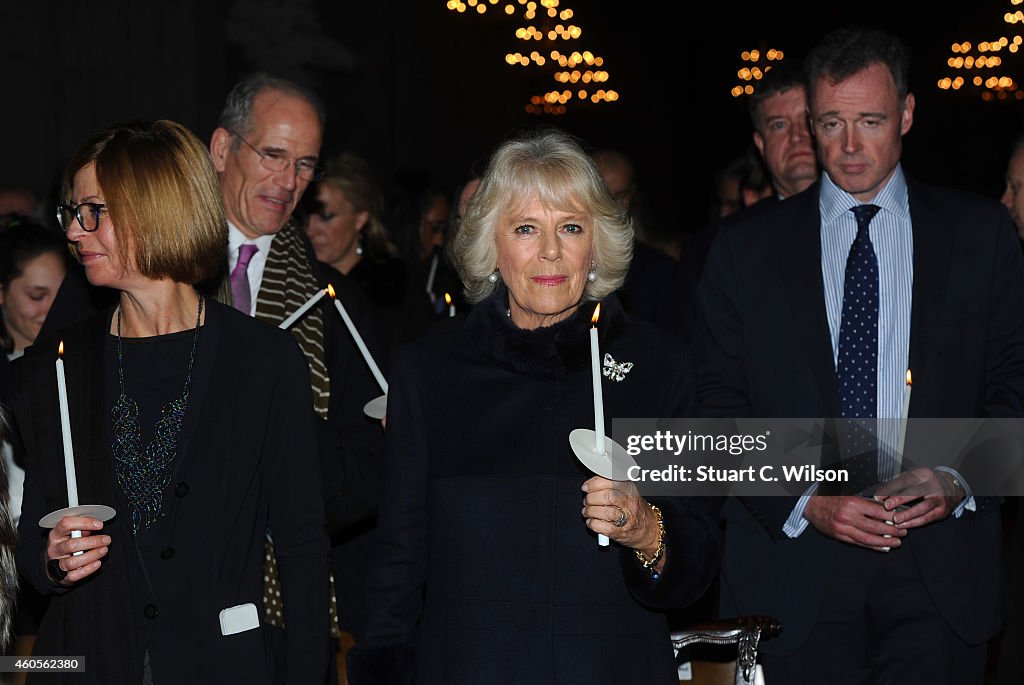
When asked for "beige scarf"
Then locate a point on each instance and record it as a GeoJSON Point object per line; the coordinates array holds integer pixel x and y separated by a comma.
{"type": "Point", "coordinates": [288, 281]}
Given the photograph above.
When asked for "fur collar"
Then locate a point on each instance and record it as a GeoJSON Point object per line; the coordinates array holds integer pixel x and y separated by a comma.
{"type": "Point", "coordinates": [542, 352]}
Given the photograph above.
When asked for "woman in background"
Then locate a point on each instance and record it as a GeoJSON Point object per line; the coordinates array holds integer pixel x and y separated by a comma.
{"type": "Point", "coordinates": [32, 267]}
{"type": "Point", "coordinates": [33, 263]}
{"type": "Point", "coordinates": [419, 211]}
{"type": "Point", "coordinates": [347, 231]}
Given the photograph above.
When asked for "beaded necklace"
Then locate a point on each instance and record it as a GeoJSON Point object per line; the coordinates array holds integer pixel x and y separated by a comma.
{"type": "Point", "coordinates": [143, 474]}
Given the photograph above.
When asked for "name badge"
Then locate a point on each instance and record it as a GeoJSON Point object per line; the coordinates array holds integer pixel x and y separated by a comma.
{"type": "Point", "coordinates": [239, 619]}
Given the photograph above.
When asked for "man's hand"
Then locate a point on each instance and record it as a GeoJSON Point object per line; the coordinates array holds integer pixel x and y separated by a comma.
{"type": "Point", "coordinates": [935, 494]}
{"type": "Point", "coordinates": [856, 520]}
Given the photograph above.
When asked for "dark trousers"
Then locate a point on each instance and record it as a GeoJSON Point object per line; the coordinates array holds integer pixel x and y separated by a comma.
{"type": "Point", "coordinates": [878, 626]}
{"type": "Point", "coordinates": [274, 639]}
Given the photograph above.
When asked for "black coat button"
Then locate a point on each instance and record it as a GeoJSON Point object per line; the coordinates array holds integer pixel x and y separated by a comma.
{"type": "Point", "coordinates": [167, 553]}
{"type": "Point", "coordinates": [150, 611]}
{"type": "Point", "coordinates": [181, 489]}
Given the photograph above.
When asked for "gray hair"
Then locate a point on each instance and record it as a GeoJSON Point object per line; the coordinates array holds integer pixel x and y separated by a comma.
{"type": "Point", "coordinates": [551, 166]}
{"type": "Point", "coordinates": [237, 113]}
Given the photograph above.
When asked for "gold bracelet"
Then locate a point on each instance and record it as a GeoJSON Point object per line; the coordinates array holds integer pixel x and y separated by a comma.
{"type": "Point", "coordinates": [660, 552]}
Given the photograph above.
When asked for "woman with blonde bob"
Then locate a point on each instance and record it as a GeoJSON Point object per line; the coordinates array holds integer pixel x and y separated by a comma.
{"type": "Point", "coordinates": [189, 419]}
{"type": "Point", "coordinates": [488, 568]}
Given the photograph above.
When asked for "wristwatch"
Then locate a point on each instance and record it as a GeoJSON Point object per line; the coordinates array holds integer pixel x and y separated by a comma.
{"type": "Point", "coordinates": [56, 572]}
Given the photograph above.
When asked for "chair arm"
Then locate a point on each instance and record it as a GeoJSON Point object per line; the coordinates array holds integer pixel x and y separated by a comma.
{"type": "Point", "coordinates": [745, 632]}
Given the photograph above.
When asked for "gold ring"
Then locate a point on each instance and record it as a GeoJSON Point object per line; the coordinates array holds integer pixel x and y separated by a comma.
{"type": "Point", "coordinates": [621, 521]}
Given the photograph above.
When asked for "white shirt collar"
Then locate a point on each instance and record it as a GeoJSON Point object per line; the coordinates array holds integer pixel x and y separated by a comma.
{"type": "Point", "coordinates": [236, 238]}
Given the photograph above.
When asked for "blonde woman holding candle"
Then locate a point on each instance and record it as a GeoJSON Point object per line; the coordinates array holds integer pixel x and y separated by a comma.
{"type": "Point", "coordinates": [187, 417]}
{"type": "Point", "coordinates": [487, 567]}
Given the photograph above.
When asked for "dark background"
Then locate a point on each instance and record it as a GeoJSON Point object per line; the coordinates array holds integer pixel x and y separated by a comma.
{"type": "Point", "coordinates": [410, 84]}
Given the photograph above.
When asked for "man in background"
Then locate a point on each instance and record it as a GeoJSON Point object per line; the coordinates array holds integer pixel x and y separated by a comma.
{"type": "Point", "coordinates": [1013, 195]}
{"type": "Point", "coordinates": [652, 284]}
{"type": "Point", "coordinates": [778, 112]}
{"type": "Point", "coordinates": [266, 150]}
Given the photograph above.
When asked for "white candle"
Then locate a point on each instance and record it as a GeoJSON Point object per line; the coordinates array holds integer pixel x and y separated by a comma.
{"type": "Point", "coordinates": [302, 310]}
{"type": "Point", "coordinates": [65, 429]}
{"type": "Point", "coordinates": [451, 305]}
{"type": "Point", "coordinates": [905, 418]}
{"type": "Point", "coordinates": [359, 342]}
{"type": "Point", "coordinates": [430, 277]}
{"type": "Point", "coordinates": [595, 367]}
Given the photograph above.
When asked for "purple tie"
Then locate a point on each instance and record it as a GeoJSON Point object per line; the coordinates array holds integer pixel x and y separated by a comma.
{"type": "Point", "coordinates": [240, 295]}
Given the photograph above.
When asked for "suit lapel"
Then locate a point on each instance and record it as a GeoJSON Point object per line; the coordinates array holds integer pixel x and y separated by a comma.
{"type": "Point", "coordinates": [802, 275]}
{"type": "Point", "coordinates": [933, 245]}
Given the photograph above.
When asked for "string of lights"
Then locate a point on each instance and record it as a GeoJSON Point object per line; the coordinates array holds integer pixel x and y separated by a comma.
{"type": "Point", "coordinates": [755, 65]}
{"type": "Point", "coordinates": [580, 76]}
{"type": "Point", "coordinates": [984, 60]}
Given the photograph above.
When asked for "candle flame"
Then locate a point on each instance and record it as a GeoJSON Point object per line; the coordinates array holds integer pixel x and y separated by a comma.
{"type": "Point", "coordinates": [909, 380]}
{"type": "Point", "coordinates": [597, 314]}
{"type": "Point", "coordinates": [60, 349]}
{"type": "Point", "coordinates": [330, 290]}
{"type": "Point", "coordinates": [447, 299]}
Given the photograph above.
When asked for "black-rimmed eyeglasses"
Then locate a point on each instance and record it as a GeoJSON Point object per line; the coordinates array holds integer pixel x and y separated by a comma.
{"type": "Point", "coordinates": [273, 160]}
{"type": "Point", "coordinates": [87, 213]}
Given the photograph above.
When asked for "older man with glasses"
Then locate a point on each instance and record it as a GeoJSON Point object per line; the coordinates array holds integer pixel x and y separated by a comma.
{"type": "Point", "coordinates": [266, 152]}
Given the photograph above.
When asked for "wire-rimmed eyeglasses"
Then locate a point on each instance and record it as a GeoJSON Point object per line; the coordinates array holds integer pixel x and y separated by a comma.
{"type": "Point", "coordinates": [273, 160]}
{"type": "Point", "coordinates": [87, 213]}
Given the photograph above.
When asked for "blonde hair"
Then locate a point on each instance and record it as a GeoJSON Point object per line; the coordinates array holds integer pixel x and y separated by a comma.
{"type": "Point", "coordinates": [161, 190]}
{"type": "Point", "coordinates": [351, 174]}
{"type": "Point", "coordinates": [551, 166]}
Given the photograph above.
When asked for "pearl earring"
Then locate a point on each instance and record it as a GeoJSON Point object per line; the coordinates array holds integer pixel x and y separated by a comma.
{"type": "Point", "coordinates": [592, 276]}
{"type": "Point", "coordinates": [493, 278]}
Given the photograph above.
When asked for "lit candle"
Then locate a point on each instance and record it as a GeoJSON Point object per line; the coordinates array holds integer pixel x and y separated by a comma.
{"type": "Point", "coordinates": [451, 306]}
{"type": "Point", "coordinates": [905, 419]}
{"type": "Point", "coordinates": [303, 309]}
{"type": "Point", "coordinates": [359, 341]}
{"type": "Point", "coordinates": [595, 367]}
{"type": "Point", "coordinates": [65, 429]}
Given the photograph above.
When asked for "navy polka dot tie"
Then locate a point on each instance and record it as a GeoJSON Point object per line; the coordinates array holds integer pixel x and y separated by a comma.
{"type": "Point", "coordinates": [857, 363]}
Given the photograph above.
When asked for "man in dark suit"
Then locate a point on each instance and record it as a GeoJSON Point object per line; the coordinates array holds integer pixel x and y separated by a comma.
{"type": "Point", "coordinates": [776, 337]}
{"type": "Point", "coordinates": [266, 152]}
{"type": "Point", "coordinates": [778, 114]}
{"type": "Point", "coordinates": [652, 284]}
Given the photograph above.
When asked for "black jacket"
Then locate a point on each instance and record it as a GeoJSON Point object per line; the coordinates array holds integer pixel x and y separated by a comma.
{"type": "Point", "coordinates": [247, 453]}
{"type": "Point", "coordinates": [484, 561]}
{"type": "Point", "coordinates": [764, 350]}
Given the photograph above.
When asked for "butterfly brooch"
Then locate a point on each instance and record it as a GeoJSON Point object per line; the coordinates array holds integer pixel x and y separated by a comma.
{"type": "Point", "coordinates": [614, 370]}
